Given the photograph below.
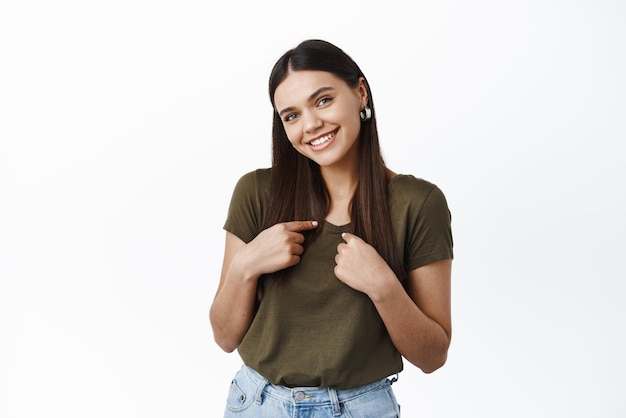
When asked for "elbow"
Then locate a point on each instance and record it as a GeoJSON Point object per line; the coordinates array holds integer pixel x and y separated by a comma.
{"type": "Point", "coordinates": [436, 357]}
{"type": "Point", "coordinates": [227, 346]}
{"type": "Point", "coordinates": [434, 363]}
{"type": "Point", "coordinates": [223, 339]}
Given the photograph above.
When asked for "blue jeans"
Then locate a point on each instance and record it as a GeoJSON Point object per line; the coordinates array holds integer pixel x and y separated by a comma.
{"type": "Point", "coordinates": [252, 396]}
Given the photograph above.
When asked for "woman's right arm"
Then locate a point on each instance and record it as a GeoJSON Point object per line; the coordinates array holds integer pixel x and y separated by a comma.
{"type": "Point", "coordinates": [274, 249]}
{"type": "Point", "coordinates": [232, 310]}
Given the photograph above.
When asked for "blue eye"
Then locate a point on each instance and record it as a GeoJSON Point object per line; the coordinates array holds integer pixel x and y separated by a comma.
{"type": "Point", "coordinates": [290, 117]}
{"type": "Point", "coordinates": [323, 101]}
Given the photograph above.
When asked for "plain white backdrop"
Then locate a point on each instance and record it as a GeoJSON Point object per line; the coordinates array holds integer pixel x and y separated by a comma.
{"type": "Point", "coordinates": [124, 126]}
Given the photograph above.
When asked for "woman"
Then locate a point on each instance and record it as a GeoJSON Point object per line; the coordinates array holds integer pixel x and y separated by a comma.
{"type": "Point", "coordinates": [334, 267]}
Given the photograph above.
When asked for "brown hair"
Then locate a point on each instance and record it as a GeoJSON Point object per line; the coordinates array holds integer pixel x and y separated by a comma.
{"type": "Point", "coordinates": [298, 191]}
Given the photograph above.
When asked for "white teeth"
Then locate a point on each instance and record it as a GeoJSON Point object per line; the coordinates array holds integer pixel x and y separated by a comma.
{"type": "Point", "coordinates": [322, 140]}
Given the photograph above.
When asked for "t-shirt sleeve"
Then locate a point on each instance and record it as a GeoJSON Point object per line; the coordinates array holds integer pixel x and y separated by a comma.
{"type": "Point", "coordinates": [430, 231]}
{"type": "Point", "coordinates": [245, 214]}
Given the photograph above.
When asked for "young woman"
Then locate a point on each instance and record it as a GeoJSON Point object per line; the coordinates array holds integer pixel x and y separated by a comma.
{"type": "Point", "coordinates": [334, 267]}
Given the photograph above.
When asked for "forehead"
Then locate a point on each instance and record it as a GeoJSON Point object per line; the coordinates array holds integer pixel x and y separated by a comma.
{"type": "Point", "coordinates": [299, 85]}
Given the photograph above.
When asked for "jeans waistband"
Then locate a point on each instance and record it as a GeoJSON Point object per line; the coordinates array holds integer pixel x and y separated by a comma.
{"type": "Point", "coordinates": [310, 395]}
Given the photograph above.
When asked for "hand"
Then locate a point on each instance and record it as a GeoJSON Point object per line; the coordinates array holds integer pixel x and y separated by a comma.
{"type": "Point", "coordinates": [360, 266]}
{"type": "Point", "coordinates": [277, 247]}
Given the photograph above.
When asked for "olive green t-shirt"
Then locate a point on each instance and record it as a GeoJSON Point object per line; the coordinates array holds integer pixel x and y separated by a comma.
{"type": "Point", "coordinates": [313, 330]}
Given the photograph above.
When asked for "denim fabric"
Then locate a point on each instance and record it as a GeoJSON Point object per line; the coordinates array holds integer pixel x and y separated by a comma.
{"type": "Point", "coordinates": [252, 396]}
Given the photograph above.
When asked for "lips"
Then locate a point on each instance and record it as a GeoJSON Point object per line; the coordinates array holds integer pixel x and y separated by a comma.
{"type": "Point", "coordinates": [323, 141]}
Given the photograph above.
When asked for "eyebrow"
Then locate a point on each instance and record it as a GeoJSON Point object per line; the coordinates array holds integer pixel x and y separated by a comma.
{"type": "Point", "coordinates": [311, 97]}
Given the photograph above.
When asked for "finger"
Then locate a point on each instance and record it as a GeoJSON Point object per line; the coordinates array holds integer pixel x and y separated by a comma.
{"type": "Point", "coordinates": [297, 249]}
{"type": "Point", "coordinates": [347, 237]}
{"type": "Point", "coordinates": [296, 237]}
{"type": "Point", "coordinates": [297, 226]}
{"type": "Point", "coordinates": [295, 259]}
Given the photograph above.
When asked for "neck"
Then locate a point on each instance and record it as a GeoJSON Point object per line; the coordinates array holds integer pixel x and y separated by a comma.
{"type": "Point", "coordinates": [341, 185]}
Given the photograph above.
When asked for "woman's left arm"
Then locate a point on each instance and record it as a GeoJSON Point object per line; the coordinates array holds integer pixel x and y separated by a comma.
{"type": "Point", "coordinates": [418, 319]}
{"type": "Point", "coordinates": [416, 315]}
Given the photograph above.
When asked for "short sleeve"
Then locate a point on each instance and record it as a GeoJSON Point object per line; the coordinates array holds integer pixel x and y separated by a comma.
{"type": "Point", "coordinates": [430, 235]}
{"type": "Point", "coordinates": [421, 221]}
{"type": "Point", "coordinates": [247, 204]}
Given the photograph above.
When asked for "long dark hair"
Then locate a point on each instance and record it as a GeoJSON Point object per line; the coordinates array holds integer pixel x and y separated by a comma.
{"type": "Point", "coordinates": [298, 191]}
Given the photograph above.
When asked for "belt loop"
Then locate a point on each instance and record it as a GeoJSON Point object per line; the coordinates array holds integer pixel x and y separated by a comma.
{"type": "Point", "coordinates": [259, 391]}
{"type": "Point", "coordinates": [334, 400]}
{"type": "Point", "coordinates": [394, 379]}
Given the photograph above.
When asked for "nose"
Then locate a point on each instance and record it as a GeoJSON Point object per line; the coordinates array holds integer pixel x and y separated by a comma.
{"type": "Point", "coordinates": [312, 122]}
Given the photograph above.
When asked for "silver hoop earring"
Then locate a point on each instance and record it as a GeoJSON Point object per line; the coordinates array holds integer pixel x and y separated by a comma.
{"type": "Point", "coordinates": [366, 113]}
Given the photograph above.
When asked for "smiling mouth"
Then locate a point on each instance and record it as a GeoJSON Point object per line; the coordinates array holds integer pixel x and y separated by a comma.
{"type": "Point", "coordinates": [323, 139]}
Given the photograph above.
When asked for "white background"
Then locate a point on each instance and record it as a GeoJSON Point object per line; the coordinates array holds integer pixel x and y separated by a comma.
{"type": "Point", "coordinates": [125, 124]}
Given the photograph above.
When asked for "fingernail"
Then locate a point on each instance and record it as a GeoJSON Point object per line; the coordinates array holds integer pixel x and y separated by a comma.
{"type": "Point", "coordinates": [343, 234]}
{"type": "Point", "coordinates": [314, 223]}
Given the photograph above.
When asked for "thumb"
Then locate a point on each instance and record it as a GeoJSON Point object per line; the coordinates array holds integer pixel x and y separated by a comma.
{"type": "Point", "coordinates": [347, 237]}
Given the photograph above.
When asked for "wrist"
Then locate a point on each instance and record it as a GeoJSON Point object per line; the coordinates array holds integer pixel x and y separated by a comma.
{"type": "Point", "coordinates": [387, 289]}
{"type": "Point", "coordinates": [243, 270]}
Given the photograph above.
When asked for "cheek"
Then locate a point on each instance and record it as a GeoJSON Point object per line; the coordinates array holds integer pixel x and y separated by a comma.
{"type": "Point", "coordinates": [293, 135]}
{"type": "Point", "coordinates": [350, 116]}
{"type": "Point", "coordinates": [353, 123]}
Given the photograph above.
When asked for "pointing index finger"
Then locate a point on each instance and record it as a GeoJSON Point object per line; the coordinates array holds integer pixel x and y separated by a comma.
{"type": "Point", "coordinates": [298, 226]}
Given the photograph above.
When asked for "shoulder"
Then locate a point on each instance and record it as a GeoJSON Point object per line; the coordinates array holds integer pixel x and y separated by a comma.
{"type": "Point", "coordinates": [252, 188]}
{"type": "Point", "coordinates": [247, 205]}
{"type": "Point", "coordinates": [404, 182]}
{"type": "Point", "coordinates": [413, 198]}
{"type": "Point", "coordinates": [408, 189]}
{"type": "Point", "coordinates": [254, 178]}
{"type": "Point", "coordinates": [255, 182]}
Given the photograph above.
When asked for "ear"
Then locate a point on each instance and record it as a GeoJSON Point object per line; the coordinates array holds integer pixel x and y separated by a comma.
{"type": "Point", "coordinates": [362, 91]}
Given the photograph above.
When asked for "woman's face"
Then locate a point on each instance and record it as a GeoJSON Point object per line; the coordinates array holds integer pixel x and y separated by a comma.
{"type": "Point", "coordinates": [320, 114]}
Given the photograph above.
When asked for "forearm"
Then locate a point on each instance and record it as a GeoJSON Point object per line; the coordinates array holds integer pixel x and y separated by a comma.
{"type": "Point", "coordinates": [274, 249]}
{"type": "Point", "coordinates": [233, 308]}
{"type": "Point", "coordinates": [419, 338]}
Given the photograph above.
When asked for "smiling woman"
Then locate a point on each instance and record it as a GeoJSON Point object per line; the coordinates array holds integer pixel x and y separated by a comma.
{"type": "Point", "coordinates": [335, 268]}
{"type": "Point", "coordinates": [327, 116]}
